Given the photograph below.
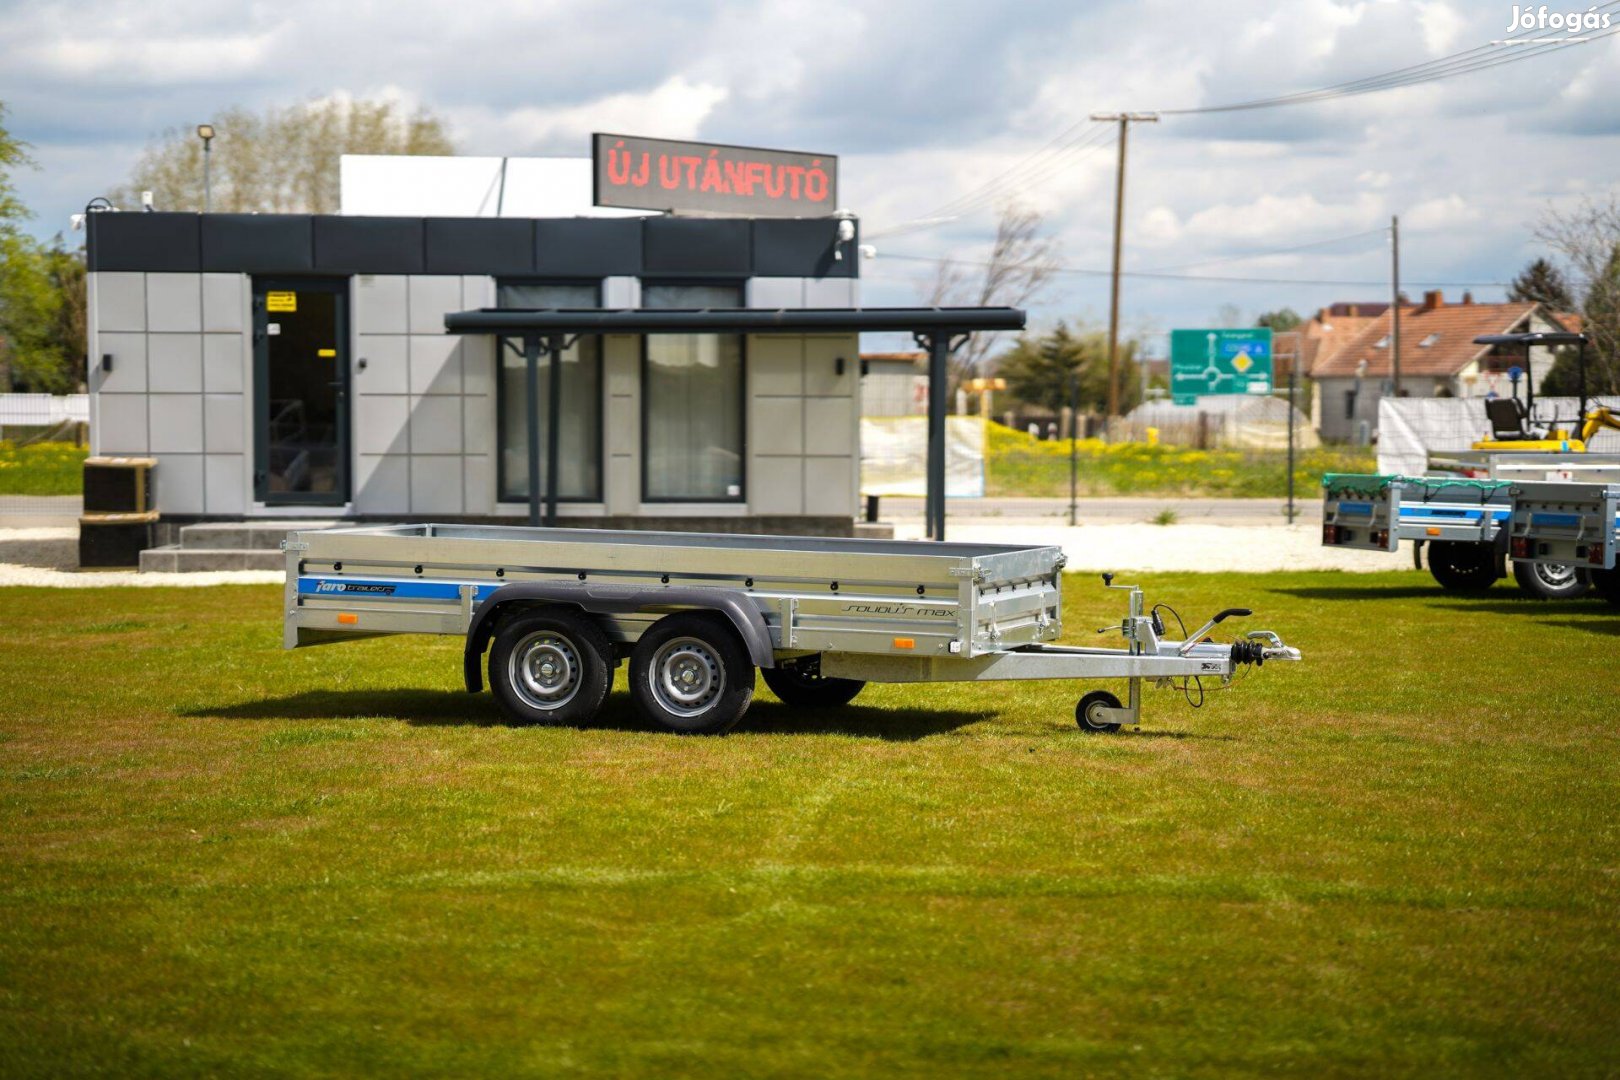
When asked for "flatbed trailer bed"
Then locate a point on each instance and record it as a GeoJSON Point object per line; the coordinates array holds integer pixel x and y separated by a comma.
{"type": "Point", "coordinates": [696, 613]}
{"type": "Point", "coordinates": [1574, 524]}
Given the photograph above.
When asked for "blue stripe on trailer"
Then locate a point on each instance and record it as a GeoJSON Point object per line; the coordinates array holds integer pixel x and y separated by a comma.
{"type": "Point", "coordinates": [1358, 509]}
{"type": "Point", "coordinates": [1555, 519]}
{"type": "Point", "coordinates": [361, 588]}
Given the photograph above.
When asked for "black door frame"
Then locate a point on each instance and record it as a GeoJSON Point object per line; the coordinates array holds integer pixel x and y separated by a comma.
{"type": "Point", "coordinates": [339, 287]}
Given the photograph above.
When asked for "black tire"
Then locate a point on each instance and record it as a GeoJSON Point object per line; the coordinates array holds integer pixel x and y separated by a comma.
{"type": "Point", "coordinates": [690, 674]}
{"type": "Point", "coordinates": [1550, 581]}
{"type": "Point", "coordinates": [1462, 567]}
{"type": "Point", "coordinates": [1082, 711]}
{"type": "Point", "coordinates": [1607, 584]}
{"type": "Point", "coordinates": [550, 666]}
{"type": "Point", "coordinates": [805, 690]}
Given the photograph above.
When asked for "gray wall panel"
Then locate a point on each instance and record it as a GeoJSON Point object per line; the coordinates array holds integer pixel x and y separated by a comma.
{"type": "Point", "coordinates": [224, 483]}
{"type": "Point", "coordinates": [178, 480]}
{"type": "Point", "coordinates": [174, 302]}
{"type": "Point", "coordinates": [478, 484]}
{"type": "Point", "coordinates": [224, 303]}
{"type": "Point", "coordinates": [380, 304]}
{"type": "Point", "coordinates": [435, 364]}
{"type": "Point", "coordinates": [436, 484]}
{"type": "Point", "coordinates": [225, 424]}
{"type": "Point", "coordinates": [387, 358]}
{"type": "Point", "coordinates": [226, 362]}
{"type": "Point", "coordinates": [120, 301]}
{"type": "Point", "coordinates": [174, 363]}
{"type": "Point", "coordinates": [775, 292]}
{"type": "Point", "coordinates": [121, 424]}
{"type": "Point", "coordinates": [128, 374]}
{"type": "Point", "coordinates": [435, 425]}
{"type": "Point", "coordinates": [176, 425]}
{"type": "Point", "coordinates": [382, 484]}
{"type": "Point", "coordinates": [380, 424]}
{"type": "Point", "coordinates": [431, 298]}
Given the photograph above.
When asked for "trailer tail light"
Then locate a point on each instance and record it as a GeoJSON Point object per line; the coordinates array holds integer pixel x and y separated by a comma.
{"type": "Point", "coordinates": [1522, 548]}
{"type": "Point", "coordinates": [1380, 538]}
{"type": "Point", "coordinates": [1594, 555]}
{"type": "Point", "coordinates": [1330, 534]}
{"type": "Point", "coordinates": [348, 618]}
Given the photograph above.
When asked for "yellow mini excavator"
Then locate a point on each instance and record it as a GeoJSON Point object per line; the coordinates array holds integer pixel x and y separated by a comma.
{"type": "Point", "coordinates": [1512, 423]}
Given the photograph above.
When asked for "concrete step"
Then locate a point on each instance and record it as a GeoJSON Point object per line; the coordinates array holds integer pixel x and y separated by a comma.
{"type": "Point", "coordinates": [176, 559]}
{"type": "Point", "coordinates": [243, 535]}
{"type": "Point", "coordinates": [874, 530]}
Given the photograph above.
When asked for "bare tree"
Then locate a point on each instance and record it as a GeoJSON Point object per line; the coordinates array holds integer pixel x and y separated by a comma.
{"type": "Point", "coordinates": [1020, 266]}
{"type": "Point", "coordinates": [1587, 235]}
{"type": "Point", "coordinates": [281, 160]}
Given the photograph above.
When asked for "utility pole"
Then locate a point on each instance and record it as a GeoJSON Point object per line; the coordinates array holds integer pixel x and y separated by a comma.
{"type": "Point", "coordinates": [1395, 305]}
{"type": "Point", "coordinates": [1124, 120]}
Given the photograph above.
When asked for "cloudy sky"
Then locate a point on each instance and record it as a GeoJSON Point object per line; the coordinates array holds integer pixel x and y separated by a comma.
{"type": "Point", "coordinates": [924, 102]}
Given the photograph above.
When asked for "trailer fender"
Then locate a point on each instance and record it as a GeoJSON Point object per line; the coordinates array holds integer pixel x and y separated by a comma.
{"type": "Point", "coordinates": [616, 600]}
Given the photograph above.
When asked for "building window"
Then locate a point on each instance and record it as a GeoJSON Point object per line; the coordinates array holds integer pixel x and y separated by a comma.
{"type": "Point", "coordinates": [692, 403]}
{"type": "Point", "coordinates": [579, 435]}
{"type": "Point", "coordinates": [1349, 404]}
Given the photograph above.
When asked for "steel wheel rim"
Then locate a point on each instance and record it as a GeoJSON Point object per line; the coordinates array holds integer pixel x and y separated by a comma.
{"type": "Point", "coordinates": [1554, 575]}
{"type": "Point", "coordinates": [546, 670]}
{"type": "Point", "coordinates": [686, 676]}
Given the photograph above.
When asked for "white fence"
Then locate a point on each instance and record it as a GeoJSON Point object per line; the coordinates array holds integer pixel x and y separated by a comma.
{"type": "Point", "coordinates": [894, 456]}
{"type": "Point", "coordinates": [1410, 428]}
{"type": "Point", "coordinates": [43, 410]}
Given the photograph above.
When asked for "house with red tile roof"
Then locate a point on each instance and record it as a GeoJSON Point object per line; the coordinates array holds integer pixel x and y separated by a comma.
{"type": "Point", "coordinates": [1438, 358]}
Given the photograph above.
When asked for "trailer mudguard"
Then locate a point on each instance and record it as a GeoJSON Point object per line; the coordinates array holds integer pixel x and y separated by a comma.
{"type": "Point", "coordinates": [616, 600]}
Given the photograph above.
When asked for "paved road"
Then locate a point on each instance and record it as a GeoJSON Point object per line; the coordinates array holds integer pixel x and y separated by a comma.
{"type": "Point", "coordinates": [1111, 510]}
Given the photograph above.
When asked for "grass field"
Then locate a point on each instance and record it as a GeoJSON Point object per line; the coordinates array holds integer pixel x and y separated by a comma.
{"type": "Point", "coordinates": [1017, 464]}
{"type": "Point", "coordinates": [1401, 857]}
{"type": "Point", "coordinates": [47, 468]}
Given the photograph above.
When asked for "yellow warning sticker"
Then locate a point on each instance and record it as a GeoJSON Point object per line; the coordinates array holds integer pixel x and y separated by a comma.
{"type": "Point", "coordinates": [326, 354]}
{"type": "Point", "coordinates": [281, 301]}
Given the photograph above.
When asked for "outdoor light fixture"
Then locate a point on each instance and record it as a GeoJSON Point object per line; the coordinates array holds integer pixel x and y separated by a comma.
{"type": "Point", "coordinates": [205, 132]}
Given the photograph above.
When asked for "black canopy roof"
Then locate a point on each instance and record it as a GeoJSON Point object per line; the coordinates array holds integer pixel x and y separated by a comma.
{"type": "Point", "coordinates": [1540, 337]}
{"type": "Point", "coordinates": [933, 320]}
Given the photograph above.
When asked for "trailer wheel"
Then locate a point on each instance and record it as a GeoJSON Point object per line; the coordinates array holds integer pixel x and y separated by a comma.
{"type": "Point", "coordinates": [1462, 567]}
{"type": "Point", "coordinates": [691, 675]}
{"type": "Point", "coordinates": [1550, 581]}
{"type": "Point", "coordinates": [550, 667]}
{"type": "Point", "coordinates": [1607, 583]}
{"type": "Point", "coordinates": [807, 690]}
{"type": "Point", "coordinates": [1085, 713]}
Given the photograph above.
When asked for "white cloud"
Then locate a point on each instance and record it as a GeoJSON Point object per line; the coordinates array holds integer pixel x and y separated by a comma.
{"type": "Point", "coordinates": [1442, 213]}
{"type": "Point", "coordinates": [674, 109]}
{"type": "Point", "coordinates": [1442, 26]}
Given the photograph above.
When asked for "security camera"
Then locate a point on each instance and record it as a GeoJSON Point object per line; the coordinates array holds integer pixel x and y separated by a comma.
{"type": "Point", "coordinates": [868, 251]}
{"type": "Point", "coordinates": [146, 201]}
{"type": "Point", "coordinates": [78, 222]}
{"type": "Point", "coordinates": [846, 231]}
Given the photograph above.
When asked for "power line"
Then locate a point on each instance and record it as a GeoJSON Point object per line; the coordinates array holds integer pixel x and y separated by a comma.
{"type": "Point", "coordinates": [1156, 275]}
{"type": "Point", "coordinates": [1274, 251]}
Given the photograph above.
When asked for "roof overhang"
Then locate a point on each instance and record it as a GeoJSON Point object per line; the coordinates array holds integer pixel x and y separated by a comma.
{"type": "Point", "coordinates": [921, 320]}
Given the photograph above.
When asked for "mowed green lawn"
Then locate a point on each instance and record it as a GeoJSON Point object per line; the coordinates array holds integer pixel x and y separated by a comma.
{"type": "Point", "coordinates": [1399, 858]}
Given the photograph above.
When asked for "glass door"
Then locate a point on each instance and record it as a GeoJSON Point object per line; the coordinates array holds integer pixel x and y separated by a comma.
{"type": "Point", "coordinates": [301, 392]}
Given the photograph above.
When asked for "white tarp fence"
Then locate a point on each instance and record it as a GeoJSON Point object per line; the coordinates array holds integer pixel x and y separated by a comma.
{"type": "Point", "coordinates": [1409, 429]}
{"type": "Point", "coordinates": [43, 410]}
{"type": "Point", "coordinates": [894, 456]}
{"type": "Point", "coordinates": [1230, 421]}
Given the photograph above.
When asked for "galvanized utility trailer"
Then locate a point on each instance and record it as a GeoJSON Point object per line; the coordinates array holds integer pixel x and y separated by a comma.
{"type": "Point", "coordinates": [1460, 521]}
{"type": "Point", "coordinates": [696, 614]}
{"type": "Point", "coordinates": [1569, 524]}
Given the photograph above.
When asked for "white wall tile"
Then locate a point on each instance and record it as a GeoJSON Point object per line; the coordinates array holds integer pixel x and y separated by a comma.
{"type": "Point", "coordinates": [821, 368]}
{"type": "Point", "coordinates": [435, 425]}
{"type": "Point", "coordinates": [621, 292]}
{"type": "Point", "coordinates": [478, 364]}
{"type": "Point", "coordinates": [829, 485]}
{"type": "Point", "coordinates": [174, 363]}
{"type": "Point", "coordinates": [121, 424]}
{"type": "Point", "coordinates": [436, 485]}
{"type": "Point", "coordinates": [477, 292]}
{"type": "Point", "coordinates": [623, 484]}
{"type": "Point", "coordinates": [431, 298]}
{"type": "Point", "coordinates": [478, 484]}
{"type": "Point", "coordinates": [178, 483]}
{"type": "Point", "coordinates": [226, 361]}
{"type": "Point", "coordinates": [387, 358]}
{"type": "Point", "coordinates": [830, 425]}
{"type": "Point", "coordinates": [224, 303]}
{"type": "Point", "coordinates": [478, 424]}
{"type": "Point", "coordinates": [775, 292]}
{"type": "Point", "coordinates": [380, 304]}
{"type": "Point", "coordinates": [224, 424]}
{"type": "Point", "coordinates": [776, 425]}
{"type": "Point", "coordinates": [435, 364]}
{"type": "Point", "coordinates": [120, 301]}
{"type": "Point", "coordinates": [224, 483]}
{"type": "Point", "coordinates": [829, 292]}
{"type": "Point", "coordinates": [382, 484]}
{"type": "Point", "coordinates": [380, 423]}
{"type": "Point", "coordinates": [174, 303]}
{"type": "Point", "coordinates": [128, 374]}
{"type": "Point", "coordinates": [176, 425]}
{"type": "Point", "coordinates": [775, 485]}
{"type": "Point", "coordinates": [775, 364]}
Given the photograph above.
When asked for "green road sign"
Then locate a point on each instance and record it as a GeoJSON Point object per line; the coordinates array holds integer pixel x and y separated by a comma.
{"type": "Point", "coordinates": [1204, 362]}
